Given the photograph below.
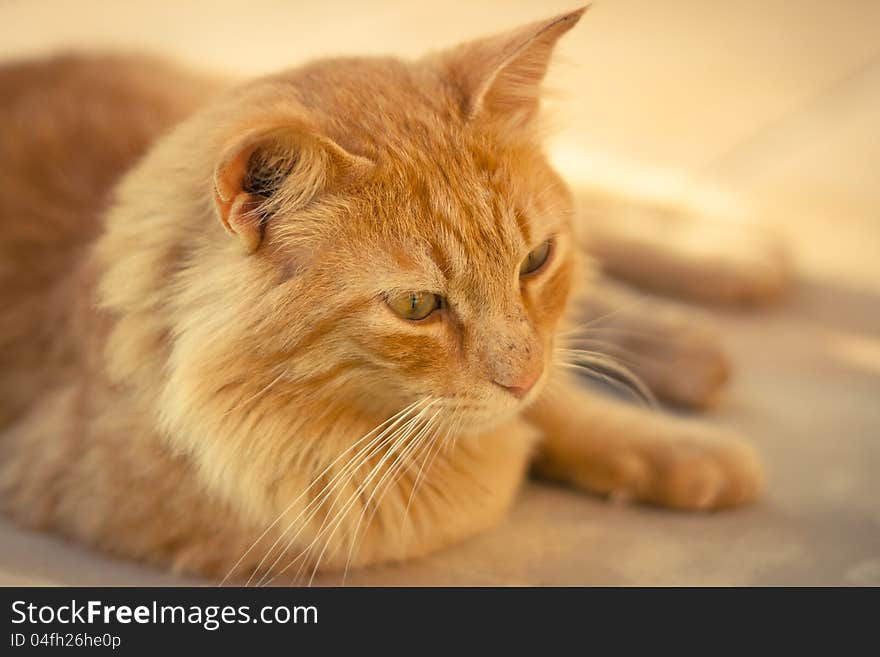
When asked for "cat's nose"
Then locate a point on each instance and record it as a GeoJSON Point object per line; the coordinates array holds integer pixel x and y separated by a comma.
{"type": "Point", "coordinates": [520, 386]}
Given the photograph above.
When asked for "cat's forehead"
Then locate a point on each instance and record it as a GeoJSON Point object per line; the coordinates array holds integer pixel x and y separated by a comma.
{"type": "Point", "coordinates": [445, 230]}
{"type": "Point", "coordinates": [446, 195]}
{"type": "Point", "coordinates": [409, 120]}
{"type": "Point", "coordinates": [455, 205]}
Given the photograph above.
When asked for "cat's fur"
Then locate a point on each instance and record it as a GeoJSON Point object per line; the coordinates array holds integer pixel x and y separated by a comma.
{"type": "Point", "coordinates": [193, 331]}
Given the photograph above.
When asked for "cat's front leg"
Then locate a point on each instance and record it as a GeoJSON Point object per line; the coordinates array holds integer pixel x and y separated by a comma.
{"type": "Point", "coordinates": [620, 450]}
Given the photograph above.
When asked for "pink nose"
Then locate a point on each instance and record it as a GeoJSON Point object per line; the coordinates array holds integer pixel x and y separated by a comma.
{"type": "Point", "coordinates": [520, 387]}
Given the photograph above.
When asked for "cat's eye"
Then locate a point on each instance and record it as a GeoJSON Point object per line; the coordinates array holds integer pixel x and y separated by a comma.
{"type": "Point", "coordinates": [535, 259]}
{"type": "Point", "coordinates": [415, 306]}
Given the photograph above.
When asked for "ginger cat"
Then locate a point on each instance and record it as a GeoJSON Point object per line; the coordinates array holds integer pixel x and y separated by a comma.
{"type": "Point", "coordinates": [320, 320]}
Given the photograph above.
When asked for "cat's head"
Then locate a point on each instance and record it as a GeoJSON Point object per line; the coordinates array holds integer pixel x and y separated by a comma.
{"type": "Point", "coordinates": [418, 243]}
{"type": "Point", "coordinates": [381, 232]}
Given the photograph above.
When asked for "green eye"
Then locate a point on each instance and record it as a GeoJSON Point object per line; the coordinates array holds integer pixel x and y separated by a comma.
{"type": "Point", "coordinates": [535, 260]}
{"type": "Point", "coordinates": [414, 305]}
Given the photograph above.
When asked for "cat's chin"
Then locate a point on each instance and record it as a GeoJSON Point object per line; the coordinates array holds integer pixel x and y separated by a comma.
{"type": "Point", "coordinates": [474, 424]}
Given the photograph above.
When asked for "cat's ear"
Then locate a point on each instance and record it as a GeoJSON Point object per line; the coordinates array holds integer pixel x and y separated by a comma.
{"type": "Point", "coordinates": [501, 75]}
{"type": "Point", "coordinates": [271, 169]}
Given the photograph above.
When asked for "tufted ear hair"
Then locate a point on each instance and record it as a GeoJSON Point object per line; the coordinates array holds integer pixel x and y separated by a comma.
{"type": "Point", "coordinates": [273, 168]}
{"type": "Point", "coordinates": [501, 75]}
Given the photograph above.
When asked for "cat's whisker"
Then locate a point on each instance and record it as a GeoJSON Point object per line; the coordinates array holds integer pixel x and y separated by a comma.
{"type": "Point", "coordinates": [394, 418]}
{"type": "Point", "coordinates": [392, 475]}
{"type": "Point", "coordinates": [394, 421]}
{"type": "Point", "coordinates": [432, 446]}
{"type": "Point", "coordinates": [337, 482]}
{"type": "Point", "coordinates": [331, 524]}
{"type": "Point", "coordinates": [624, 354]}
{"type": "Point", "coordinates": [410, 442]}
{"type": "Point", "coordinates": [422, 440]}
{"type": "Point", "coordinates": [432, 453]}
{"type": "Point", "coordinates": [440, 442]}
{"type": "Point", "coordinates": [632, 304]}
{"type": "Point", "coordinates": [586, 360]}
{"type": "Point", "coordinates": [417, 443]}
{"type": "Point", "coordinates": [425, 465]}
{"type": "Point", "coordinates": [609, 351]}
{"type": "Point", "coordinates": [395, 439]}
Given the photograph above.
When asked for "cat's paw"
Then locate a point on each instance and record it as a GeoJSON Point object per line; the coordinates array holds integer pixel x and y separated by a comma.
{"type": "Point", "coordinates": [696, 471]}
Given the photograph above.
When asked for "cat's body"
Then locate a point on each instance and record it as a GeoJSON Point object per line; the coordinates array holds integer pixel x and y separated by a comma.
{"type": "Point", "coordinates": [246, 403]}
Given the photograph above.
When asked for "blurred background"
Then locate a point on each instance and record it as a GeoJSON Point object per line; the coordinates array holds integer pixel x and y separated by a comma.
{"type": "Point", "coordinates": [771, 102]}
